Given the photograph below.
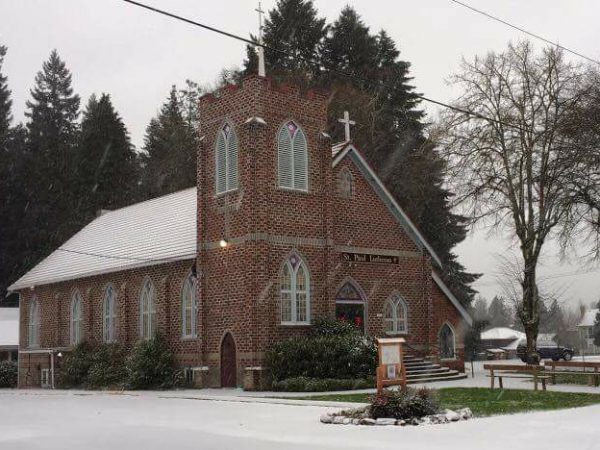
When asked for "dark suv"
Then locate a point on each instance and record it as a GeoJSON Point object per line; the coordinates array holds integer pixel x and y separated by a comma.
{"type": "Point", "coordinates": [547, 350]}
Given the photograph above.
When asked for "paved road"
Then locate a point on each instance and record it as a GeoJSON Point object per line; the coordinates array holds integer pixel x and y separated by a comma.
{"type": "Point", "coordinates": [31, 420]}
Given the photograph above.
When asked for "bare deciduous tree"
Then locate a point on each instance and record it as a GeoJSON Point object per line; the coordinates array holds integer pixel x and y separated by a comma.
{"type": "Point", "coordinates": [511, 164]}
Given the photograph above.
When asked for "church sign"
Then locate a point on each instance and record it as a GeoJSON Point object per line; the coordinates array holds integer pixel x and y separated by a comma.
{"type": "Point", "coordinates": [391, 370]}
{"type": "Point", "coordinates": [370, 258]}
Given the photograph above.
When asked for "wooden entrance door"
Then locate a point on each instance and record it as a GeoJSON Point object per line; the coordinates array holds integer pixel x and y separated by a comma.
{"type": "Point", "coordinates": [228, 362]}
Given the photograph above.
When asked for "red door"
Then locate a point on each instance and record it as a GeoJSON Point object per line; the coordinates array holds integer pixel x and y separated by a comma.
{"type": "Point", "coordinates": [228, 362]}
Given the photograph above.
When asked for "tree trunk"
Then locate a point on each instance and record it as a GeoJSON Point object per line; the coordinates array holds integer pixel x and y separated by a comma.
{"type": "Point", "coordinates": [530, 312]}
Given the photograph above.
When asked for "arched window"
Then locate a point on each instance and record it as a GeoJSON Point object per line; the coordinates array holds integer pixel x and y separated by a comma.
{"type": "Point", "coordinates": [292, 157]}
{"type": "Point", "coordinates": [188, 307]}
{"type": "Point", "coordinates": [345, 183]}
{"type": "Point", "coordinates": [395, 315]}
{"type": "Point", "coordinates": [226, 160]}
{"type": "Point", "coordinates": [109, 314]}
{"type": "Point", "coordinates": [147, 310]}
{"type": "Point", "coordinates": [34, 323]}
{"type": "Point", "coordinates": [76, 318]}
{"type": "Point", "coordinates": [295, 292]}
{"type": "Point", "coordinates": [447, 342]}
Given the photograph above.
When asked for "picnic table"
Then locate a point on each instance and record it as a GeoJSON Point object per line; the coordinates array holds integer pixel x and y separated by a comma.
{"type": "Point", "coordinates": [525, 371]}
{"type": "Point", "coordinates": [575, 368]}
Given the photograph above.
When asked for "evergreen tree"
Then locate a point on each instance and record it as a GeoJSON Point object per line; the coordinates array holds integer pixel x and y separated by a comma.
{"type": "Point", "coordinates": [50, 216]}
{"type": "Point", "coordinates": [106, 174]}
{"type": "Point", "coordinates": [294, 27]}
{"type": "Point", "coordinates": [171, 145]}
{"type": "Point", "coordinates": [5, 104]}
{"type": "Point", "coordinates": [499, 313]}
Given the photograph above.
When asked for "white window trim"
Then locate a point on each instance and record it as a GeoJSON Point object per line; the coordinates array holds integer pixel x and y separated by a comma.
{"type": "Point", "coordinates": [227, 162]}
{"type": "Point", "coordinates": [147, 312]}
{"type": "Point", "coordinates": [395, 301]}
{"type": "Point", "coordinates": [299, 129]}
{"type": "Point", "coordinates": [109, 334]}
{"type": "Point", "coordinates": [293, 295]}
{"type": "Point", "coordinates": [193, 306]}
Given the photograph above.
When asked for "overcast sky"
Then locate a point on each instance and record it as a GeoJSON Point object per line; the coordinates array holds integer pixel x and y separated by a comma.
{"type": "Point", "coordinates": [136, 55]}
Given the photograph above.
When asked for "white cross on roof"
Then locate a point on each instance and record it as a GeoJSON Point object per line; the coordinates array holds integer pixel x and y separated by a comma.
{"type": "Point", "coordinates": [347, 122]}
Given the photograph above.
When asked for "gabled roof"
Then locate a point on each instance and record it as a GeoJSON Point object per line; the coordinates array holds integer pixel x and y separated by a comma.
{"type": "Point", "coordinates": [589, 318]}
{"type": "Point", "coordinates": [9, 327]}
{"type": "Point", "coordinates": [502, 333]}
{"type": "Point", "coordinates": [385, 197]}
{"type": "Point", "coordinates": [148, 233]}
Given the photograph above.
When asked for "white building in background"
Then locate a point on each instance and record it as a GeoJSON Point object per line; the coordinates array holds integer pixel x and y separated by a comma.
{"type": "Point", "coordinates": [586, 332]}
{"type": "Point", "coordinates": [9, 334]}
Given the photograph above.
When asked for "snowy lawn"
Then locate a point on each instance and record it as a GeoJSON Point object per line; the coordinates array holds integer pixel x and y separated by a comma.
{"type": "Point", "coordinates": [488, 402]}
{"type": "Point", "coordinates": [43, 420]}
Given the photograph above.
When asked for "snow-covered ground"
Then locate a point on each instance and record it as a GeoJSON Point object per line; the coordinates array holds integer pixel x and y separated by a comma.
{"type": "Point", "coordinates": [32, 420]}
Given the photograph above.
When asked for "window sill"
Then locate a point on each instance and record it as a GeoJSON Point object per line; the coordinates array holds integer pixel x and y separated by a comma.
{"type": "Point", "coordinates": [396, 333]}
{"type": "Point", "coordinates": [189, 338]}
{"type": "Point", "coordinates": [224, 193]}
{"type": "Point", "coordinates": [295, 324]}
{"type": "Point", "coordinates": [292, 190]}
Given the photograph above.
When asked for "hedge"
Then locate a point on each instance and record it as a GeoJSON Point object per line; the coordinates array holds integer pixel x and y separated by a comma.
{"type": "Point", "coordinates": [8, 374]}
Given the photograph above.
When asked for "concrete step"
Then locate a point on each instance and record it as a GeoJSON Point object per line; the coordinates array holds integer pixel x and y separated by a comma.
{"type": "Point", "coordinates": [417, 376]}
{"type": "Point", "coordinates": [421, 366]}
{"type": "Point", "coordinates": [429, 370]}
{"type": "Point", "coordinates": [456, 376]}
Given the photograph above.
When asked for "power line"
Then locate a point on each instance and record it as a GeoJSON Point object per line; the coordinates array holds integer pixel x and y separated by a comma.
{"type": "Point", "coordinates": [339, 72]}
{"type": "Point", "coordinates": [523, 30]}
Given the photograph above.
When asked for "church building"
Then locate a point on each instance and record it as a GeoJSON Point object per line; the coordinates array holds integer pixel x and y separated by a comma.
{"type": "Point", "coordinates": [283, 227]}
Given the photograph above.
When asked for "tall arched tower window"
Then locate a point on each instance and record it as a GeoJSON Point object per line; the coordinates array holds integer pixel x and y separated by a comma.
{"type": "Point", "coordinates": [147, 310]}
{"type": "Point", "coordinates": [294, 286]}
{"type": "Point", "coordinates": [76, 318]}
{"type": "Point", "coordinates": [109, 314]}
{"type": "Point", "coordinates": [226, 160]}
{"type": "Point", "coordinates": [292, 157]}
{"type": "Point", "coordinates": [34, 323]}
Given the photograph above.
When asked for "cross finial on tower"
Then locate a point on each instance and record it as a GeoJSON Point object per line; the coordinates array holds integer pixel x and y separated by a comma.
{"type": "Point", "coordinates": [347, 122]}
{"type": "Point", "coordinates": [260, 49]}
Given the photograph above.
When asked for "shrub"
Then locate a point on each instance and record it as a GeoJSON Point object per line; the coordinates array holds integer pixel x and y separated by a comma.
{"type": "Point", "coordinates": [334, 351]}
{"type": "Point", "coordinates": [151, 366]}
{"type": "Point", "coordinates": [303, 384]}
{"type": "Point", "coordinates": [404, 404]}
{"type": "Point", "coordinates": [75, 366]}
{"type": "Point", "coordinates": [9, 372]}
{"type": "Point", "coordinates": [332, 327]}
{"type": "Point", "coordinates": [93, 366]}
{"type": "Point", "coordinates": [107, 367]}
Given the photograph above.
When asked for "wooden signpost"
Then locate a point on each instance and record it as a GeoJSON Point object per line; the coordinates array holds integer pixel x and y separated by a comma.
{"type": "Point", "coordinates": [391, 370]}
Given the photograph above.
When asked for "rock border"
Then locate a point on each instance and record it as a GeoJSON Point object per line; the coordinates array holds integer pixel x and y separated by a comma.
{"type": "Point", "coordinates": [360, 416]}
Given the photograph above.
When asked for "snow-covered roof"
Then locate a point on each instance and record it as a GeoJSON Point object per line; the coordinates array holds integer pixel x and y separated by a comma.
{"type": "Point", "coordinates": [502, 333]}
{"type": "Point", "coordinates": [9, 327]}
{"type": "Point", "coordinates": [589, 318]}
{"type": "Point", "coordinates": [152, 232]}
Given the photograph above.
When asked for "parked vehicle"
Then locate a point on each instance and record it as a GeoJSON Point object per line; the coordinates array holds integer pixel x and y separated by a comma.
{"type": "Point", "coordinates": [546, 350]}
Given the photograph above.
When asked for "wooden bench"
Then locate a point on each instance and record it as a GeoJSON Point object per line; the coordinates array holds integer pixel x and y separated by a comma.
{"type": "Point", "coordinates": [529, 372]}
{"type": "Point", "coordinates": [583, 366]}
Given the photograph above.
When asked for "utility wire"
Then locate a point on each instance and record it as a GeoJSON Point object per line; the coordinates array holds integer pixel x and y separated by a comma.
{"type": "Point", "coordinates": [340, 72]}
{"type": "Point", "coordinates": [523, 30]}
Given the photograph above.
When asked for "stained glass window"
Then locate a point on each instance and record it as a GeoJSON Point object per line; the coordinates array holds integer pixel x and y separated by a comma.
{"type": "Point", "coordinates": [189, 307]}
{"type": "Point", "coordinates": [294, 292]}
{"type": "Point", "coordinates": [109, 314]}
{"type": "Point", "coordinates": [76, 318]}
{"type": "Point", "coordinates": [34, 322]}
{"type": "Point", "coordinates": [147, 310]}
{"type": "Point", "coordinates": [395, 315]}
{"type": "Point", "coordinates": [345, 183]}
{"type": "Point", "coordinates": [447, 342]}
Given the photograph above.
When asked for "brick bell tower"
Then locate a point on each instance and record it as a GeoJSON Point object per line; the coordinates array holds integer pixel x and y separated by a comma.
{"type": "Point", "coordinates": [251, 224]}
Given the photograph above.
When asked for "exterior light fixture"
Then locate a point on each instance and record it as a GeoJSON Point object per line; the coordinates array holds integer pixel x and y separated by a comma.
{"type": "Point", "coordinates": [60, 355]}
{"type": "Point", "coordinates": [223, 243]}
